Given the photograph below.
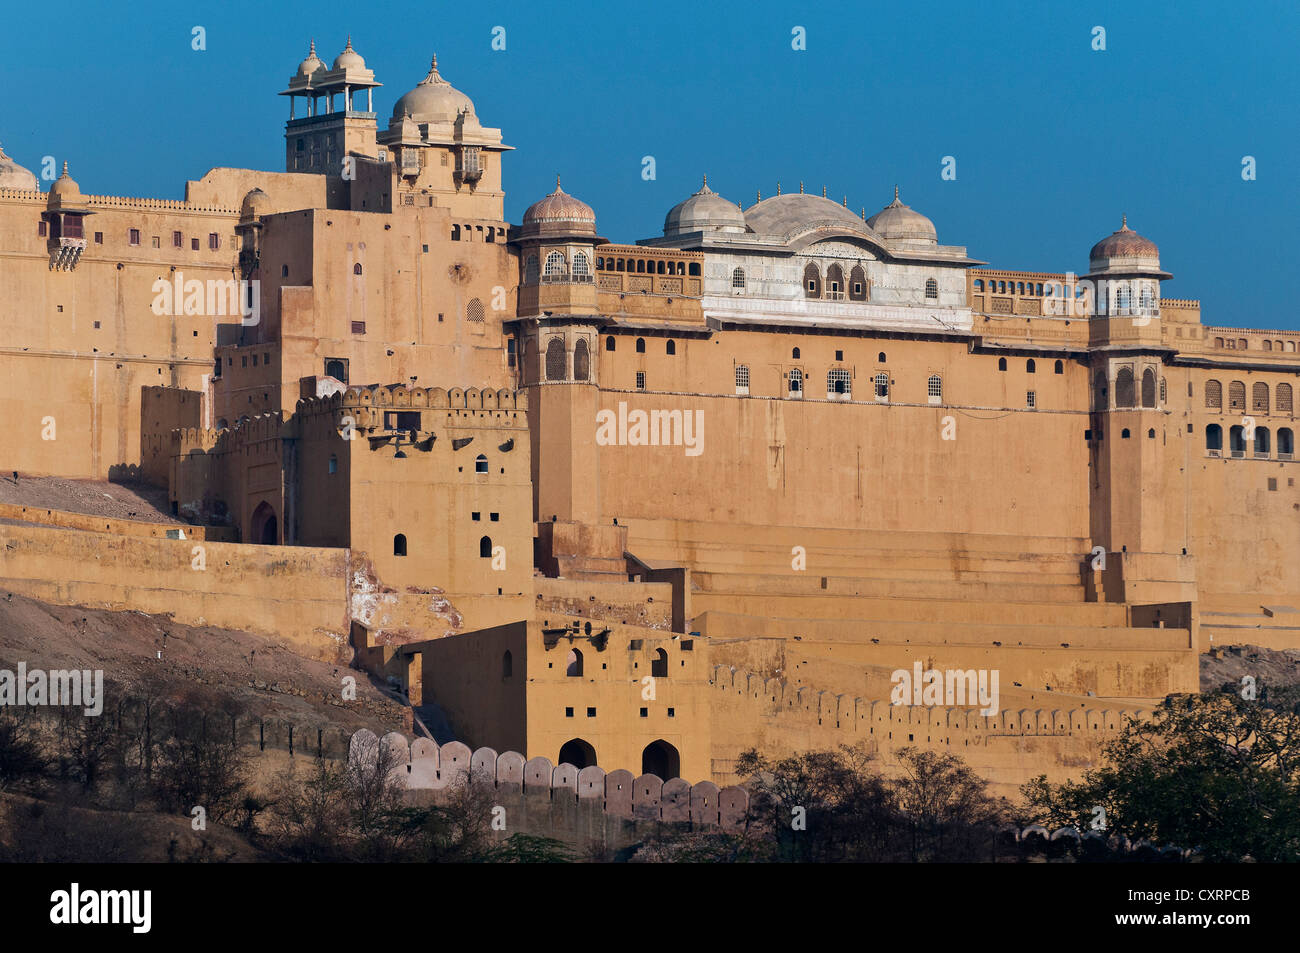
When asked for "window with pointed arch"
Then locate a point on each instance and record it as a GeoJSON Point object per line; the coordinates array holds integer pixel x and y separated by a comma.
{"type": "Point", "coordinates": [1213, 395]}
{"type": "Point", "coordinates": [738, 280]}
{"type": "Point", "coordinates": [796, 382]}
{"type": "Point", "coordinates": [555, 265]}
{"type": "Point", "coordinates": [934, 389]}
{"type": "Point", "coordinates": [555, 359]}
{"type": "Point", "coordinates": [931, 288]}
{"type": "Point", "coordinates": [581, 361]}
{"type": "Point", "coordinates": [581, 265]}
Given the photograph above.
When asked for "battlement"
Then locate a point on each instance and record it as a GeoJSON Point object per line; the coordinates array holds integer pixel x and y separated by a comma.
{"type": "Point", "coordinates": [398, 396]}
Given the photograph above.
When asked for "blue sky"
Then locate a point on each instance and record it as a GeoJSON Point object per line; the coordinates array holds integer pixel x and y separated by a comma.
{"type": "Point", "coordinates": [1053, 141]}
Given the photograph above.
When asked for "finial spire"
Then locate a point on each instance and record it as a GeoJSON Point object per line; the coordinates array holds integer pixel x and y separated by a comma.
{"type": "Point", "coordinates": [312, 51]}
{"type": "Point", "coordinates": [895, 193]}
{"type": "Point", "coordinates": [758, 196]}
{"type": "Point", "coordinates": [801, 186]}
{"type": "Point", "coordinates": [348, 48]}
{"type": "Point", "coordinates": [706, 180]}
{"type": "Point", "coordinates": [65, 166]}
{"type": "Point", "coordinates": [846, 201]}
{"type": "Point", "coordinates": [557, 181]}
{"type": "Point", "coordinates": [864, 213]}
{"type": "Point", "coordinates": [778, 186]}
{"type": "Point", "coordinates": [1123, 223]}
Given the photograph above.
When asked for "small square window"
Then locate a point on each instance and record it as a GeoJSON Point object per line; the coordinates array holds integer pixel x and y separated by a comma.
{"type": "Point", "coordinates": [1272, 483]}
{"type": "Point", "coordinates": [568, 713]}
{"type": "Point", "coordinates": [494, 517]}
{"type": "Point", "coordinates": [672, 712]}
{"type": "Point", "coordinates": [645, 712]}
{"type": "Point", "coordinates": [99, 238]}
{"type": "Point", "coordinates": [591, 713]}
{"type": "Point", "coordinates": [96, 324]}
{"type": "Point", "coordinates": [426, 249]}
{"type": "Point", "coordinates": [474, 517]}
{"type": "Point", "coordinates": [358, 327]}
{"type": "Point", "coordinates": [60, 307]}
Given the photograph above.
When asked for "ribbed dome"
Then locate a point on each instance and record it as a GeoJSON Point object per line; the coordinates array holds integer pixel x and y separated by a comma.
{"type": "Point", "coordinates": [256, 204]}
{"type": "Point", "coordinates": [1124, 243]}
{"type": "Point", "coordinates": [433, 100]}
{"type": "Point", "coordinates": [898, 222]}
{"type": "Point", "coordinates": [560, 209]}
{"type": "Point", "coordinates": [349, 58]}
{"type": "Point", "coordinates": [14, 176]}
{"type": "Point", "coordinates": [312, 63]}
{"type": "Point", "coordinates": [783, 214]}
{"type": "Point", "coordinates": [705, 210]}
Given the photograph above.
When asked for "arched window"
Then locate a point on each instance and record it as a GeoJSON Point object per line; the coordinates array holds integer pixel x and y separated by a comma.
{"type": "Point", "coordinates": [1237, 441]}
{"type": "Point", "coordinates": [399, 544]}
{"type": "Point", "coordinates": [858, 284]}
{"type": "Point", "coordinates": [1242, 344]}
{"type": "Point", "coordinates": [794, 354]}
{"type": "Point", "coordinates": [1213, 395]}
{"type": "Point", "coordinates": [336, 369]}
{"type": "Point", "coordinates": [474, 311]}
{"type": "Point", "coordinates": [609, 343]}
{"type": "Point", "coordinates": [661, 759]}
{"type": "Point", "coordinates": [1125, 390]}
{"type": "Point", "coordinates": [880, 358]}
{"type": "Point", "coordinates": [1218, 342]}
{"type": "Point", "coordinates": [1030, 366]}
{"type": "Point", "coordinates": [480, 464]}
{"type": "Point", "coordinates": [659, 664]}
{"type": "Point", "coordinates": [1151, 434]}
{"type": "Point", "coordinates": [640, 345]}
{"type": "Point", "coordinates": [356, 269]}
{"type": "Point", "coordinates": [455, 233]}
{"type": "Point", "coordinates": [530, 269]}
{"type": "Point", "coordinates": [555, 359]}
{"type": "Point", "coordinates": [979, 284]}
{"type": "Point", "coordinates": [934, 389]}
{"type": "Point", "coordinates": [1284, 398]}
{"type": "Point", "coordinates": [1262, 445]}
{"type": "Point", "coordinates": [1285, 443]}
{"type": "Point", "coordinates": [1148, 388]}
{"type": "Point", "coordinates": [485, 547]}
{"type": "Point", "coordinates": [835, 282]}
{"type": "Point", "coordinates": [1214, 439]}
{"type": "Point", "coordinates": [1268, 345]}
{"type": "Point", "coordinates": [577, 753]}
{"type": "Point", "coordinates": [742, 379]}
{"type": "Point", "coordinates": [581, 264]}
{"type": "Point", "coordinates": [1259, 398]}
{"type": "Point", "coordinates": [882, 387]}
{"type": "Point", "coordinates": [1060, 367]}
{"type": "Point", "coordinates": [1236, 396]}
{"type": "Point", "coordinates": [738, 279]}
{"type": "Point", "coordinates": [670, 347]}
{"type": "Point", "coordinates": [1002, 363]}
{"type": "Point", "coordinates": [507, 664]}
{"type": "Point", "coordinates": [931, 288]}
{"type": "Point", "coordinates": [1125, 435]}
{"type": "Point", "coordinates": [812, 281]}
{"type": "Point", "coordinates": [796, 382]}
{"type": "Point", "coordinates": [1099, 391]}
{"type": "Point", "coordinates": [581, 361]}
{"type": "Point", "coordinates": [838, 383]}
{"type": "Point", "coordinates": [555, 265]}
{"type": "Point", "coordinates": [1123, 299]}
{"type": "Point", "coordinates": [573, 664]}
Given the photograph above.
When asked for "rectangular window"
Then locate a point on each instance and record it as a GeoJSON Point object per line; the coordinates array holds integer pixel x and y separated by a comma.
{"type": "Point", "coordinates": [214, 241]}
{"type": "Point", "coordinates": [194, 244]}
{"type": "Point", "coordinates": [99, 238]}
{"type": "Point", "coordinates": [591, 713]}
{"type": "Point", "coordinates": [176, 240]}
{"type": "Point", "coordinates": [568, 713]}
{"type": "Point", "coordinates": [401, 420]}
{"type": "Point", "coordinates": [135, 236]}
{"type": "Point", "coordinates": [358, 327]}
{"type": "Point", "coordinates": [42, 228]}
{"type": "Point", "coordinates": [157, 241]}
{"type": "Point", "coordinates": [1030, 399]}
{"type": "Point", "coordinates": [640, 380]}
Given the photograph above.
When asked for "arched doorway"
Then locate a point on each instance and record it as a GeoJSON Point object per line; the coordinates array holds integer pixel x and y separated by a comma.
{"type": "Point", "coordinates": [662, 760]}
{"type": "Point", "coordinates": [265, 529]}
{"type": "Point", "coordinates": [578, 753]}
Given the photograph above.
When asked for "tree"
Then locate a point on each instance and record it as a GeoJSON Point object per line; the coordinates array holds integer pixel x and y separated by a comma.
{"type": "Point", "coordinates": [1214, 772]}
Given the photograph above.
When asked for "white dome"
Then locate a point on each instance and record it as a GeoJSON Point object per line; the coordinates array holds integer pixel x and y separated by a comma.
{"type": "Point", "coordinates": [433, 100]}
{"type": "Point", "coordinates": [706, 210]}
{"type": "Point", "coordinates": [14, 176]}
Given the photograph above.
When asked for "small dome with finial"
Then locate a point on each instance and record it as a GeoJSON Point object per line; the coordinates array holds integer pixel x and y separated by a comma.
{"type": "Point", "coordinates": [897, 222]}
{"type": "Point", "coordinates": [433, 100]}
{"type": "Point", "coordinates": [1125, 252]}
{"type": "Point", "coordinates": [702, 211]}
{"type": "Point", "coordinates": [65, 191]}
{"type": "Point", "coordinates": [349, 58]}
{"type": "Point", "coordinates": [559, 213]}
{"type": "Point", "coordinates": [312, 64]}
{"type": "Point", "coordinates": [256, 204]}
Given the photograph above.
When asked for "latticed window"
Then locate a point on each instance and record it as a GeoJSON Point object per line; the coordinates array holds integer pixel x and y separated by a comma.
{"type": "Point", "coordinates": [1284, 398]}
{"type": "Point", "coordinates": [934, 387]}
{"type": "Point", "coordinates": [581, 266]}
{"type": "Point", "coordinates": [882, 386]}
{"type": "Point", "coordinates": [554, 264]}
{"type": "Point", "coordinates": [530, 268]}
{"type": "Point", "coordinates": [555, 360]}
{"type": "Point", "coordinates": [1213, 395]}
{"type": "Point", "coordinates": [1164, 392]}
{"type": "Point", "coordinates": [796, 381]}
{"type": "Point", "coordinates": [738, 279]}
{"type": "Point", "coordinates": [581, 361]}
{"type": "Point", "coordinates": [1125, 390]}
{"type": "Point", "coordinates": [640, 380]}
{"type": "Point", "coordinates": [1123, 299]}
{"type": "Point", "coordinates": [931, 288]}
{"type": "Point", "coordinates": [742, 379]}
{"type": "Point", "coordinates": [474, 311]}
{"type": "Point", "coordinates": [1259, 398]}
{"type": "Point", "coordinates": [1236, 396]}
{"type": "Point", "coordinates": [838, 383]}
{"type": "Point", "coordinates": [1148, 298]}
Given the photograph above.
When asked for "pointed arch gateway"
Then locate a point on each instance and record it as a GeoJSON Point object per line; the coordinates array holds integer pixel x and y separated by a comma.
{"type": "Point", "coordinates": [578, 753]}
{"type": "Point", "coordinates": [662, 760]}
